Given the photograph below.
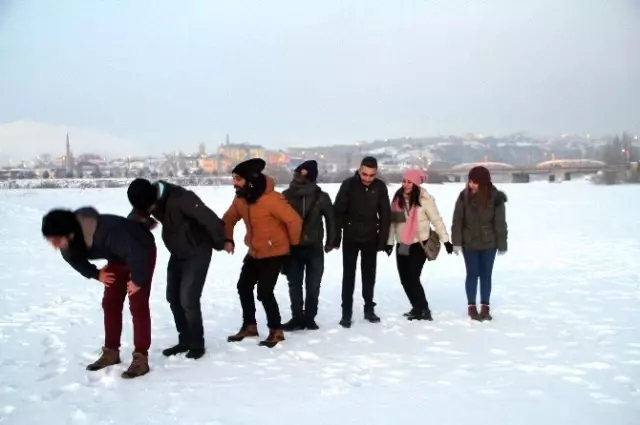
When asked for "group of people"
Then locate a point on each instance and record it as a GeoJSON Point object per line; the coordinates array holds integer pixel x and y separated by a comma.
{"type": "Point", "coordinates": [287, 234]}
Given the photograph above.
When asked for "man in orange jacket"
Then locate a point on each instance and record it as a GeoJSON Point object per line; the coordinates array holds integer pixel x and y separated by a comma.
{"type": "Point", "coordinates": [273, 226]}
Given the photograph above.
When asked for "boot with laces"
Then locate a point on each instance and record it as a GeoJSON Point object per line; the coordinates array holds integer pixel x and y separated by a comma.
{"type": "Point", "coordinates": [109, 357]}
{"type": "Point", "coordinates": [139, 366]}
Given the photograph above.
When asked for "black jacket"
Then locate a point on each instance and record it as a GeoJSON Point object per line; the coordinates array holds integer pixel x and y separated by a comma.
{"type": "Point", "coordinates": [312, 204]}
{"type": "Point", "coordinates": [189, 227]}
{"type": "Point", "coordinates": [363, 213]}
{"type": "Point", "coordinates": [115, 239]}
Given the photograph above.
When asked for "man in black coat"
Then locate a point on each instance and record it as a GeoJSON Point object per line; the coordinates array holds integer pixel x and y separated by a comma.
{"type": "Point", "coordinates": [306, 197]}
{"type": "Point", "coordinates": [130, 251]}
{"type": "Point", "coordinates": [190, 231]}
{"type": "Point", "coordinates": [363, 216]}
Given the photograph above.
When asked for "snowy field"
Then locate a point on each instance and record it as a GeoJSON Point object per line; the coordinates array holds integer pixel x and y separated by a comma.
{"type": "Point", "coordinates": [564, 346]}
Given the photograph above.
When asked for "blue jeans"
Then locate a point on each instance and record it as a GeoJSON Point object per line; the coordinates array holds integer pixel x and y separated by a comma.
{"type": "Point", "coordinates": [479, 265]}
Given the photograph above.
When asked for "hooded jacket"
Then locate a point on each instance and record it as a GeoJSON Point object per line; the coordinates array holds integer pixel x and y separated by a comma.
{"type": "Point", "coordinates": [479, 229]}
{"type": "Point", "coordinates": [115, 239]}
{"type": "Point", "coordinates": [273, 226]}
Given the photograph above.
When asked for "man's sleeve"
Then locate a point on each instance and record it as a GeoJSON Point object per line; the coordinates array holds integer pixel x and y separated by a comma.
{"type": "Point", "coordinates": [329, 217]}
{"type": "Point", "coordinates": [284, 212]}
{"type": "Point", "coordinates": [81, 265]}
{"type": "Point", "coordinates": [230, 219]}
{"type": "Point", "coordinates": [384, 214]}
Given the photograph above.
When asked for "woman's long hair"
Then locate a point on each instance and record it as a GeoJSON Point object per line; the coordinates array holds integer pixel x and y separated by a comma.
{"type": "Point", "coordinates": [414, 197]}
{"type": "Point", "coordinates": [482, 196]}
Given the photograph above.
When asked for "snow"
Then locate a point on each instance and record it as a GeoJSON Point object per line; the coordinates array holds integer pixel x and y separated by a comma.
{"type": "Point", "coordinates": [563, 347]}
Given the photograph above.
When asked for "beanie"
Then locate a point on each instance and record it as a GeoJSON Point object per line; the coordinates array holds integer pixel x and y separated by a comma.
{"type": "Point", "coordinates": [311, 167]}
{"type": "Point", "coordinates": [142, 194]}
{"type": "Point", "coordinates": [250, 169]}
{"type": "Point", "coordinates": [59, 222]}
{"type": "Point", "coordinates": [415, 176]}
{"type": "Point", "coordinates": [480, 175]}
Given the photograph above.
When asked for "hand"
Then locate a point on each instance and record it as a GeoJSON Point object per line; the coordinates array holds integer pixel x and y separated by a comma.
{"type": "Point", "coordinates": [229, 247]}
{"type": "Point", "coordinates": [328, 249]}
{"type": "Point", "coordinates": [449, 247]}
{"type": "Point", "coordinates": [502, 252]}
{"type": "Point", "coordinates": [153, 224]}
{"type": "Point", "coordinates": [388, 249]}
{"type": "Point", "coordinates": [457, 249]}
{"type": "Point", "coordinates": [132, 288]}
{"type": "Point", "coordinates": [107, 278]}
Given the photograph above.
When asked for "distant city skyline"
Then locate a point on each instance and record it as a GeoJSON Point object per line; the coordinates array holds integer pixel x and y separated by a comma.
{"type": "Point", "coordinates": [27, 140]}
{"type": "Point", "coordinates": [284, 73]}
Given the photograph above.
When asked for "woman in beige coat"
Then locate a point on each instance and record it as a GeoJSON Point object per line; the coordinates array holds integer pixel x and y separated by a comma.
{"type": "Point", "coordinates": [413, 213]}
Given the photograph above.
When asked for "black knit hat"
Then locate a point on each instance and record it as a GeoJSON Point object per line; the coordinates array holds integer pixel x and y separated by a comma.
{"type": "Point", "coordinates": [311, 168]}
{"type": "Point", "coordinates": [59, 222]}
{"type": "Point", "coordinates": [142, 194]}
{"type": "Point", "coordinates": [250, 169]}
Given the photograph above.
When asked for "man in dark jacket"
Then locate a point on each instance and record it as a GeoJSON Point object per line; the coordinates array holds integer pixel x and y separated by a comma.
{"type": "Point", "coordinates": [363, 214]}
{"type": "Point", "coordinates": [313, 205]}
{"type": "Point", "coordinates": [190, 231]}
{"type": "Point", "coordinates": [130, 251]}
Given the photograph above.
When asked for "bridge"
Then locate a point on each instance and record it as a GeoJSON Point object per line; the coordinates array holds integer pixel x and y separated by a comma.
{"type": "Point", "coordinates": [522, 173]}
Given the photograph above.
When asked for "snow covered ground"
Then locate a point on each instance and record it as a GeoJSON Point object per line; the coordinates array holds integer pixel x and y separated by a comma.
{"type": "Point", "coordinates": [564, 346]}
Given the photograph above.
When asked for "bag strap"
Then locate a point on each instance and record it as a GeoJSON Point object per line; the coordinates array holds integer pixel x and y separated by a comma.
{"type": "Point", "coordinates": [312, 205]}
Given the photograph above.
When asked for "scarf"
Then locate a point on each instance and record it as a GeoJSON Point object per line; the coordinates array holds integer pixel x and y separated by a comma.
{"type": "Point", "coordinates": [410, 218]}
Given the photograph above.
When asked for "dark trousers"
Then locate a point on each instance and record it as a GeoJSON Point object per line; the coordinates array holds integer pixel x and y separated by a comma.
{"type": "Point", "coordinates": [409, 269]}
{"type": "Point", "coordinates": [368, 261]}
{"type": "Point", "coordinates": [479, 266]}
{"type": "Point", "coordinates": [264, 273]}
{"type": "Point", "coordinates": [185, 281]}
{"type": "Point", "coordinates": [306, 263]}
{"type": "Point", "coordinates": [113, 303]}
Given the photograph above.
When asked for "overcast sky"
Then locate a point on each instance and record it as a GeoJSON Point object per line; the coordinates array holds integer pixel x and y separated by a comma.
{"type": "Point", "coordinates": [284, 72]}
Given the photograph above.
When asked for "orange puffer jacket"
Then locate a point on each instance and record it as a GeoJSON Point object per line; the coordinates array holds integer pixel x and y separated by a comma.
{"type": "Point", "coordinates": [272, 224]}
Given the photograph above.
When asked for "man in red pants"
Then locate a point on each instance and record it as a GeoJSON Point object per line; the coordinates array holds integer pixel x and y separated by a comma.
{"type": "Point", "coordinates": [130, 250]}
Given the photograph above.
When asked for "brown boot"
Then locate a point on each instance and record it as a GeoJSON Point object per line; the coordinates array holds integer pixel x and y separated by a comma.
{"type": "Point", "coordinates": [139, 366]}
{"type": "Point", "coordinates": [275, 336]}
{"type": "Point", "coordinates": [246, 331]}
{"type": "Point", "coordinates": [109, 357]}
{"type": "Point", "coordinates": [484, 312]}
{"type": "Point", "coordinates": [473, 313]}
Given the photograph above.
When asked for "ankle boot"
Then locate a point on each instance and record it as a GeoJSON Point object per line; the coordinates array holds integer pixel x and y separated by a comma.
{"type": "Point", "coordinates": [109, 357]}
{"type": "Point", "coordinates": [484, 312]}
{"type": "Point", "coordinates": [139, 366]}
{"type": "Point", "coordinates": [275, 336]}
{"type": "Point", "coordinates": [473, 312]}
{"type": "Point", "coordinates": [245, 331]}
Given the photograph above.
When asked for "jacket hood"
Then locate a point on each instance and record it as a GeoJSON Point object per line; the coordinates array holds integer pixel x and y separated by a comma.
{"type": "Point", "coordinates": [271, 184]}
{"type": "Point", "coordinates": [88, 219]}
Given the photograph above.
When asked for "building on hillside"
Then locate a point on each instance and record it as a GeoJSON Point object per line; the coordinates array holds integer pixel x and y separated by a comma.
{"type": "Point", "coordinates": [239, 152]}
{"type": "Point", "coordinates": [278, 159]}
{"type": "Point", "coordinates": [215, 164]}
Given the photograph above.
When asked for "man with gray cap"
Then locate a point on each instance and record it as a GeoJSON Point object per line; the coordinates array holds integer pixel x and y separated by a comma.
{"type": "Point", "coordinates": [307, 259]}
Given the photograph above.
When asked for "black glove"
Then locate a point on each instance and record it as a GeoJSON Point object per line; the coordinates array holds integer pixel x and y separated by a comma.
{"type": "Point", "coordinates": [449, 247]}
{"type": "Point", "coordinates": [388, 249]}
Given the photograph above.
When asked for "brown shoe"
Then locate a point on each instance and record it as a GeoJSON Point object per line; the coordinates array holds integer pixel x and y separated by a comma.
{"type": "Point", "coordinates": [484, 312]}
{"type": "Point", "coordinates": [473, 313]}
{"type": "Point", "coordinates": [246, 331]}
{"type": "Point", "coordinates": [275, 336]}
{"type": "Point", "coordinates": [109, 357]}
{"type": "Point", "coordinates": [139, 366]}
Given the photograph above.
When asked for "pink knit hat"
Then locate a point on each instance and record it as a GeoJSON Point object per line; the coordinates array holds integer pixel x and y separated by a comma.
{"type": "Point", "coordinates": [415, 176]}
